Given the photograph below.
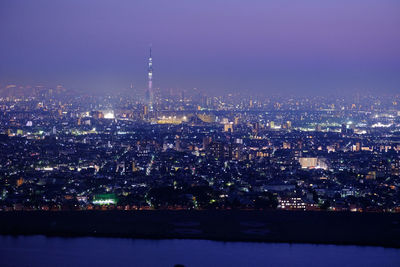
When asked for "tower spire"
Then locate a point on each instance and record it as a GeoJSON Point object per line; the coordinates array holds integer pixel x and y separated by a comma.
{"type": "Point", "coordinates": [150, 82]}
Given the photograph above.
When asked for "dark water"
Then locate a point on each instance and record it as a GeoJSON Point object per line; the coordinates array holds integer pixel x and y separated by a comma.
{"type": "Point", "coordinates": [89, 251]}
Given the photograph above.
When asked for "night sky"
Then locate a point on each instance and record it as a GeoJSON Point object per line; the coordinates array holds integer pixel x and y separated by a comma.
{"type": "Point", "coordinates": [285, 46]}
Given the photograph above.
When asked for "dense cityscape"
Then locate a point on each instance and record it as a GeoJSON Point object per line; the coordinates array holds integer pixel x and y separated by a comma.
{"type": "Point", "coordinates": [185, 149]}
{"type": "Point", "coordinates": [199, 133]}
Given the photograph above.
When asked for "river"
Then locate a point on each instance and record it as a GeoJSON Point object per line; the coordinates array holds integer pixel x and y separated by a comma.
{"type": "Point", "coordinates": [92, 251]}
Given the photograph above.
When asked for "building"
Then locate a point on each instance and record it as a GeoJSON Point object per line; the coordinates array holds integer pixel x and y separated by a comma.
{"type": "Point", "coordinates": [150, 93]}
{"type": "Point", "coordinates": [344, 129]}
{"type": "Point", "coordinates": [228, 127]}
{"type": "Point", "coordinates": [105, 199]}
{"type": "Point", "coordinates": [307, 163]}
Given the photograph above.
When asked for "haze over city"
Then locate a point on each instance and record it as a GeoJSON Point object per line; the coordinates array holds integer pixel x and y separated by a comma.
{"type": "Point", "coordinates": [264, 47]}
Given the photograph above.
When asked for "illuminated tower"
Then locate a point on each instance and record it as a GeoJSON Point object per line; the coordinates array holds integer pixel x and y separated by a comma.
{"type": "Point", "coordinates": [150, 86]}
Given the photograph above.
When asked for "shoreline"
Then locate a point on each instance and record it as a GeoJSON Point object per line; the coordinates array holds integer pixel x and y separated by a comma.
{"type": "Point", "coordinates": [335, 228]}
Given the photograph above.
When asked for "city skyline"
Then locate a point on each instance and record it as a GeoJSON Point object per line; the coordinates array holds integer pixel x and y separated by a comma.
{"type": "Point", "coordinates": [199, 133]}
{"type": "Point", "coordinates": [255, 47]}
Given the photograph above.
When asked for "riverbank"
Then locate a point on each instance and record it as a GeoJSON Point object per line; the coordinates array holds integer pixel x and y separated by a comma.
{"type": "Point", "coordinates": [369, 229]}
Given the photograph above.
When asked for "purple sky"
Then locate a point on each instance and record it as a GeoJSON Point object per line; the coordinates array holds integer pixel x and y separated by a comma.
{"type": "Point", "coordinates": [287, 46]}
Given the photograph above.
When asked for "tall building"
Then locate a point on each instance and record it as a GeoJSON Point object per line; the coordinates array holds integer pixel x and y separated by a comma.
{"type": "Point", "coordinates": [150, 93]}
{"type": "Point", "coordinates": [344, 129]}
{"type": "Point", "coordinates": [217, 150]}
{"type": "Point", "coordinates": [206, 142]}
